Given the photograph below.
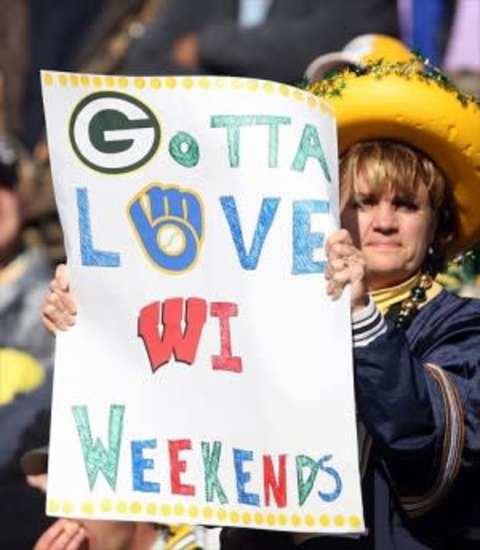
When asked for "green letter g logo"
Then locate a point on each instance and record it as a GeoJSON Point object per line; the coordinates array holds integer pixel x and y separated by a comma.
{"type": "Point", "coordinates": [113, 132]}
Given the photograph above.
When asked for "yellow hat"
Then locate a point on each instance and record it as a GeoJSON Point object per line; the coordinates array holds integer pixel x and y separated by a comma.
{"type": "Point", "coordinates": [414, 103]}
{"type": "Point", "coordinates": [360, 51]}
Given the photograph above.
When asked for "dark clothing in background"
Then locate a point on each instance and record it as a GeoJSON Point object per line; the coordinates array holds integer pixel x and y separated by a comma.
{"type": "Point", "coordinates": [57, 27]}
{"type": "Point", "coordinates": [294, 33]}
{"type": "Point", "coordinates": [22, 508]}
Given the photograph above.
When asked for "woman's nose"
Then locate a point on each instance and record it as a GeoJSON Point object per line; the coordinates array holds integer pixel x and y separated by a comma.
{"type": "Point", "coordinates": [385, 217]}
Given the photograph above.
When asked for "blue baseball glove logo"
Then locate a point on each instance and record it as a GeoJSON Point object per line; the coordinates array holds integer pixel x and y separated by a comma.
{"type": "Point", "coordinates": [169, 224]}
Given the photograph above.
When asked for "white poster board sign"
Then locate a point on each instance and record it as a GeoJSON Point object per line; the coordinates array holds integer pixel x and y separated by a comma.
{"type": "Point", "coordinates": [208, 378]}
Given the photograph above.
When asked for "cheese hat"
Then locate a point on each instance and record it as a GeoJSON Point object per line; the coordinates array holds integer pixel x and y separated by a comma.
{"type": "Point", "coordinates": [413, 103]}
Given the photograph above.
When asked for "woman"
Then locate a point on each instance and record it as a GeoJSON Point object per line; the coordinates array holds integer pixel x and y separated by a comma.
{"type": "Point", "coordinates": [410, 179]}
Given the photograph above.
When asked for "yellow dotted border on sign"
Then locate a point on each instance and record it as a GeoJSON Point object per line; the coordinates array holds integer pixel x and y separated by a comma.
{"type": "Point", "coordinates": [179, 511]}
{"type": "Point", "coordinates": [204, 83]}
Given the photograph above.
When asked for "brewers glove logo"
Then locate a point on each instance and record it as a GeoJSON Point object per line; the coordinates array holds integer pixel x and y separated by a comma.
{"type": "Point", "coordinates": [113, 133]}
{"type": "Point", "coordinates": [169, 223]}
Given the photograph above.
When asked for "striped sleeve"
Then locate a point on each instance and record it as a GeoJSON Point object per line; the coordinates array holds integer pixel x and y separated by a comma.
{"type": "Point", "coordinates": [452, 448]}
{"type": "Point", "coordinates": [367, 325]}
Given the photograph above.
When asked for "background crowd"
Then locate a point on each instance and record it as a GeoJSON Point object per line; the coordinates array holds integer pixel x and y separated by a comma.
{"type": "Point", "coordinates": [273, 39]}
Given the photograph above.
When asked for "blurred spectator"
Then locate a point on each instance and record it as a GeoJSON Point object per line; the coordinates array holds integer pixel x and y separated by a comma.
{"type": "Point", "coordinates": [258, 38]}
{"type": "Point", "coordinates": [25, 359]}
{"type": "Point", "coordinates": [426, 26]}
{"type": "Point", "coordinates": [462, 61]}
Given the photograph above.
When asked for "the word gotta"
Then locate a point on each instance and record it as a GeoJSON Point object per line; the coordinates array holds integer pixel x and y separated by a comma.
{"type": "Point", "coordinates": [258, 480]}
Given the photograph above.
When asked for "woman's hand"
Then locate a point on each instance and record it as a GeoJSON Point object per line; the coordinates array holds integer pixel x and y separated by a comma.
{"type": "Point", "coordinates": [59, 309]}
{"type": "Point", "coordinates": [346, 265]}
{"type": "Point", "coordinates": [64, 534]}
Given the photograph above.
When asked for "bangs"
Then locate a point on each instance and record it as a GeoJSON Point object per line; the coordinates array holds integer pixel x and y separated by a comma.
{"type": "Point", "coordinates": [389, 167]}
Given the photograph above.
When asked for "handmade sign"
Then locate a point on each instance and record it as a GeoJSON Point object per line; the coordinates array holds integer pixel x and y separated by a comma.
{"type": "Point", "coordinates": [208, 378]}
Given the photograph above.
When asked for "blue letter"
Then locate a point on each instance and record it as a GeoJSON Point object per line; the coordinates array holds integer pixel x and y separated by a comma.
{"type": "Point", "coordinates": [140, 464]}
{"type": "Point", "coordinates": [240, 456]}
{"type": "Point", "coordinates": [330, 497]}
{"type": "Point", "coordinates": [90, 256]}
{"type": "Point", "coordinates": [267, 213]}
{"type": "Point", "coordinates": [304, 241]}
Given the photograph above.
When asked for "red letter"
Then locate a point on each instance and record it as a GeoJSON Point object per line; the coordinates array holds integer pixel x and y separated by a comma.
{"type": "Point", "coordinates": [225, 361]}
{"type": "Point", "coordinates": [183, 346]}
{"type": "Point", "coordinates": [278, 488]}
{"type": "Point", "coordinates": [178, 467]}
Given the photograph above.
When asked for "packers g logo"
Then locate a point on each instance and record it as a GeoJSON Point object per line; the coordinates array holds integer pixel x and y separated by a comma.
{"type": "Point", "coordinates": [113, 133]}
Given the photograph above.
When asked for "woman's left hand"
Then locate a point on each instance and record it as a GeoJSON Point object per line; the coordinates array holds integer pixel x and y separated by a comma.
{"type": "Point", "coordinates": [346, 265]}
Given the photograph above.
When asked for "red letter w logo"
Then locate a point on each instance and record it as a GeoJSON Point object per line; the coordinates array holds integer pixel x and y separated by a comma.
{"type": "Point", "coordinates": [182, 344]}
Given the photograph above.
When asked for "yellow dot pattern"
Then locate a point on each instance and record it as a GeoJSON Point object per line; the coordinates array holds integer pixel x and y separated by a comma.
{"type": "Point", "coordinates": [258, 518]}
{"type": "Point", "coordinates": [151, 509]}
{"type": "Point", "coordinates": [155, 83]}
{"type": "Point", "coordinates": [106, 505]}
{"type": "Point", "coordinates": [179, 509]}
{"type": "Point", "coordinates": [135, 507]}
{"type": "Point", "coordinates": [122, 507]}
{"type": "Point", "coordinates": [296, 520]}
{"type": "Point", "coordinates": [235, 517]}
{"type": "Point", "coordinates": [67, 507]}
{"type": "Point", "coordinates": [87, 507]}
{"type": "Point", "coordinates": [193, 511]}
{"type": "Point", "coordinates": [140, 83]}
{"type": "Point", "coordinates": [203, 83]}
{"type": "Point", "coordinates": [165, 510]}
{"type": "Point", "coordinates": [246, 518]}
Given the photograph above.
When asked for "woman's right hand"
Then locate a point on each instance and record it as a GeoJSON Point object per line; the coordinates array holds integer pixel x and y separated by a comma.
{"type": "Point", "coordinates": [59, 310]}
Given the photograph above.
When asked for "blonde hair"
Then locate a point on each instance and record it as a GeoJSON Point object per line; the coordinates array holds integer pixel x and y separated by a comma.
{"type": "Point", "coordinates": [389, 166]}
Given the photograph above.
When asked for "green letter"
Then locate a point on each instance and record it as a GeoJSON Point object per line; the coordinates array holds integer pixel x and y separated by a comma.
{"type": "Point", "coordinates": [94, 454]}
{"type": "Point", "coordinates": [233, 124]}
{"type": "Point", "coordinates": [184, 149]}
{"type": "Point", "coordinates": [310, 146]}
{"type": "Point", "coordinates": [273, 123]}
{"type": "Point", "coordinates": [211, 461]}
{"type": "Point", "coordinates": [305, 486]}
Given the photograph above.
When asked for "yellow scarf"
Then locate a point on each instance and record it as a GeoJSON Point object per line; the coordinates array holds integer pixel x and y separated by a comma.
{"type": "Point", "coordinates": [386, 297]}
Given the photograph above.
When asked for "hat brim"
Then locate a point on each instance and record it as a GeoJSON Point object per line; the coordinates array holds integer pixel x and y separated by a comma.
{"type": "Point", "coordinates": [323, 64]}
{"type": "Point", "coordinates": [426, 116]}
{"type": "Point", "coordinates": [35, 462]}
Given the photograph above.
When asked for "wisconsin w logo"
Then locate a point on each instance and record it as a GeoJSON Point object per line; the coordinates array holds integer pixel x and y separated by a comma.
{"type": "Point", "coordinates": [113, 133]}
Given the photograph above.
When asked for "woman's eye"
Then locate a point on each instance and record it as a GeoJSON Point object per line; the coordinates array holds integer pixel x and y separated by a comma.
{"type": "Point", "coordinates": [363, 203]}
{"type": "Point", "coordinates": [405, 204]}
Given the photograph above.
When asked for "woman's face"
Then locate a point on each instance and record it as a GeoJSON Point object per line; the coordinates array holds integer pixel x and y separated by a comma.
{"type": "Point", "coordinates": [393, 232]}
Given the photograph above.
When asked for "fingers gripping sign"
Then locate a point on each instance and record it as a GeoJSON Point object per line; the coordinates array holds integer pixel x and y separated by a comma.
{"type": "Point", "coordinates": [346, 265]}
{"type": "Point", "coordinates": [169, 224]}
